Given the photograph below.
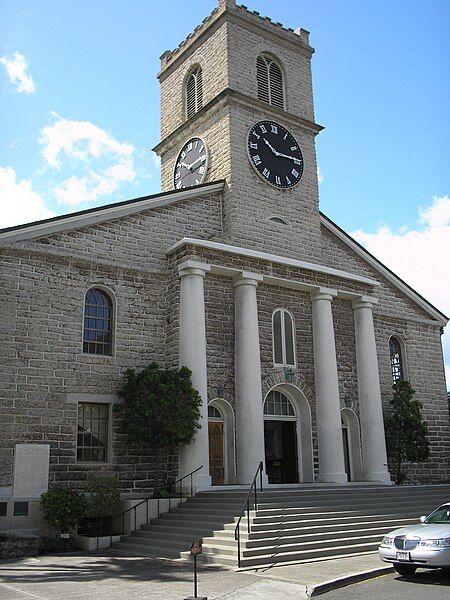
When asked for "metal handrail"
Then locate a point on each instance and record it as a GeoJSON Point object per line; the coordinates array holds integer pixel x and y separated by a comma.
{"type": "Point", "coordinates": [167, 486]}
{"type": "Point", "coordinates": [246, 506]}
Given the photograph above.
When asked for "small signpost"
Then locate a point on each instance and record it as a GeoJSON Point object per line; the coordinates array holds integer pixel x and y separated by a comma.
{"type": "Point", "coordinates": [196, 548]}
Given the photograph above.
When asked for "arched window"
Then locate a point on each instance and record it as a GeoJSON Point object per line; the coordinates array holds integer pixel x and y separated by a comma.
{"type": "Point", "coordinates": [194, 92]}
{"type": "Point", "coordinates": [214, 413]}
{"type": "Point", "coordinates": [270, 81]}
{"type": "Point", "coordinates": [278, 404]}
{"type": "Point", "coordinates": [98, 320]}
{"type": "Point", "coordinates": [395, 351]}
{"type": "Point", "coordinates": [283, 338]}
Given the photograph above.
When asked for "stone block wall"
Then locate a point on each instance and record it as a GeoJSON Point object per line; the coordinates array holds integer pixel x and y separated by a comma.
{"type": "Point", "coordinates": [42, 300]}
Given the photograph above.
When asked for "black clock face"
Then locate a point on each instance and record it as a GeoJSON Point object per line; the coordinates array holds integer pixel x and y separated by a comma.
{"type": "Point", "coordinates": [275, 154]}
{"type": "Point", "coordinates": [191, 165]}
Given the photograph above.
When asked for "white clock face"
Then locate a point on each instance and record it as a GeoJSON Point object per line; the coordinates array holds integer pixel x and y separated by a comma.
{"type": "Point", "coordinates": [191, 165]}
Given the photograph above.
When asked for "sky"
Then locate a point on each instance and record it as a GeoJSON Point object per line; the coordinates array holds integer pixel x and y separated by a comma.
{"type": "Point", "coordinates": [79, 114]}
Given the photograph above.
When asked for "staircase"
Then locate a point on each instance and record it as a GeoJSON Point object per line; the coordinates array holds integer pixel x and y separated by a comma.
{"type": "Point", "coordinates": [292, 524]}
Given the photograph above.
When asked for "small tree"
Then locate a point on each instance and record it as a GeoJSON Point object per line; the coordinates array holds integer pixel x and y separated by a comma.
{"type": "Point", "coordinates": [63, 508]}
{"type": "Point", "coordinates": [406, 431]}
{"type": "Point", "coordinates": [161, 409]}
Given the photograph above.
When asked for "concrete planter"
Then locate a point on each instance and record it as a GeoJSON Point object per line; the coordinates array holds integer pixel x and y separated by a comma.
{"type": "Point", "coordinates": [97, 543]}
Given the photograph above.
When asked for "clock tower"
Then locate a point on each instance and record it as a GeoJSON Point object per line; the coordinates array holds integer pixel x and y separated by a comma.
{"type": "Point", "coordinates": [237, 104]}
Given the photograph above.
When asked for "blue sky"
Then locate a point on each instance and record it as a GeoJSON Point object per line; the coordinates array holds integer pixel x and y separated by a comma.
{"type": "Point", "coordinates": [79, 106]}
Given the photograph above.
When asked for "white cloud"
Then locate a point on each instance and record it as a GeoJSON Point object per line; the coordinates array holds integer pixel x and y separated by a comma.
{"type": "Point", "coordinates": [98, 162]}
{"type": "Point", "coordinates": [18, 200]}
{"type": "Point", "coordinates": [16, 68]}
{"type": "Point", "coordinates": [79, 139]}
{"type": "Point", "coordinates": [419, 256]}
{"type": "Point", "coordinates": [319, 175]}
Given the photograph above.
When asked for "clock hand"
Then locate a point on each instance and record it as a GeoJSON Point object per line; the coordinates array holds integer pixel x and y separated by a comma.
{"type": "Point", "coordinates": [202, 158]}
{"type": "Point", "coordinates": [296, 160]}
{"type": "Point", "coordinates": [271, 147]}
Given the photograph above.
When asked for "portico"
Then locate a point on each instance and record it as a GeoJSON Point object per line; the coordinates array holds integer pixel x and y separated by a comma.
{"type": "Point", "coordinates": [248, 397]}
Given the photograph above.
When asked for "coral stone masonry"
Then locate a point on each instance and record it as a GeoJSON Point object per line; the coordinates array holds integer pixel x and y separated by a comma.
{"type": "Point", "coordinates": [293, 332]}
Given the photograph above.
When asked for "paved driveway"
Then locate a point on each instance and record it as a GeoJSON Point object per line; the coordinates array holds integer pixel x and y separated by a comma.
{"type": "Point", "coordinates": [110, 577]}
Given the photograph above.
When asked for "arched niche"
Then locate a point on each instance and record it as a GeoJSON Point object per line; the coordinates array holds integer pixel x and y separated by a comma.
{"type": "Point", "coordinates": [227, 413]}
{"type": "Point", "coordinates": [351, 422]}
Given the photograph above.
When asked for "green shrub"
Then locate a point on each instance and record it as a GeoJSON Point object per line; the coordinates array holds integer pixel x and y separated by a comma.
{"type": "Point", "coordinates": [103, 496]}
{"type": "Point", "coordinates": [161, 409]}
{"type": "Point", "coordinates": [63, 508]}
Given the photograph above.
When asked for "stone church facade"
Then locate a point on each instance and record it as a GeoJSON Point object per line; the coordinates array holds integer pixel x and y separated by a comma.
{"type": "Point", "coordinates": [293, 332]}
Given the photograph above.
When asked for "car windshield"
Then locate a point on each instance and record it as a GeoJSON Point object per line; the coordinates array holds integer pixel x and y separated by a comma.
{"type": "Point", "coordinates": [440, 515]}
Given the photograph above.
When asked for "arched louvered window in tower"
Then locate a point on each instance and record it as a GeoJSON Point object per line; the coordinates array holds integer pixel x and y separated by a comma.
{"type": "Point", "coordinates": [98, 322]}
{"type": "Point", "coordinates": [395, 350]}
{"type": "Point", "coordinates": [270, 81]}
{"type": "Point", "coordinates": [283, 336]}
{"type": "Point", "coordinates": [194, 92]}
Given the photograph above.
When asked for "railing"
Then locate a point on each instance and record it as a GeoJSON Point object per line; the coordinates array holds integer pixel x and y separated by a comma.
{"type": "Point", "coordinates": [246, 507]}
{"type": "Point", "coordinates": [167, 487]}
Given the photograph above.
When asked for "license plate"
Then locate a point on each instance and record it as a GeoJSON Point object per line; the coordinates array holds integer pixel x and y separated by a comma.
{"type": "Point", "coordinates": [403, 556]}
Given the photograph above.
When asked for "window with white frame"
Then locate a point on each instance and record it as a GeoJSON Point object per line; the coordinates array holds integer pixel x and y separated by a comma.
{"type": "Point", "coordinates": [93, 432]}
{"type": "Point", "coordinates": [98, 323]}
{"type": "Point", "coordinates": [194, 92]}
{"type": "Point", "coordinates": [283, 336]}
{"type": "Point", "coordinates": [269, 79]}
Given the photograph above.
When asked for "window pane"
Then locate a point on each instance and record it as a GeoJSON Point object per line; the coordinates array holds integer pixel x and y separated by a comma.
{"type": "Point", "coordinates": [277, 340]}
{"type": "Point", "coordinates": [289, 339]}
{"type": "Point", "coordinates": [97, 323]}
{"type": "Point", "coordinates": [277, 404]}
{"type": "Point", "coordinates": [396, 359]}
{"type": "Point", "coordinates": [92, 438]}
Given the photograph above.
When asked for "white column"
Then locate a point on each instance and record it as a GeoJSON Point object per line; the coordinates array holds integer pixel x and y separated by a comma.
{"type": "Point", "coordinates": [370, 409]}
{"type": "Point", "coordinates": [249, 406]}
{"type": "Point", "coordinates": [329, 430]}
{"type": "Point", "coordinates": [192, 354]}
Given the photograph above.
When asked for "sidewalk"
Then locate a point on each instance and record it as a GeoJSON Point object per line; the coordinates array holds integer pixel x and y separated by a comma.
{"type": "Point", "coordinates": [112, 576]}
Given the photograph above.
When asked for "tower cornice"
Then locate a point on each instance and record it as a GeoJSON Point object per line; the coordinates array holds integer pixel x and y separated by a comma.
{"type": "Point", "coordinates": [230, 96]}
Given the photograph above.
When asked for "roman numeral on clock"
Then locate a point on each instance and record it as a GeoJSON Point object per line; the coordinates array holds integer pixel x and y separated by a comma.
{"type": "Point", "coordinates": [256, 159]}
{"type": "Point", "coordinates": [266, 173]}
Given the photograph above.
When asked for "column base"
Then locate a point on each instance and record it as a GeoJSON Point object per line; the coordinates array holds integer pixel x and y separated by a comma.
{"type": "Point", "coordinates": [379, 476]}
{"type": "Point", "coordinates": [247, 478]}
{"type": "Point", "coordinates": [333, 478]}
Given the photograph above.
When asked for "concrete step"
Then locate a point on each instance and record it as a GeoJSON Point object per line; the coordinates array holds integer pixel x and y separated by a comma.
{"type": "Point", "coordinates": [290, 525]}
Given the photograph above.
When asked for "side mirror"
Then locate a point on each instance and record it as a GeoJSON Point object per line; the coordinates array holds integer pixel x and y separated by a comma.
{"type": "Point", "coordinates": [422, 519]}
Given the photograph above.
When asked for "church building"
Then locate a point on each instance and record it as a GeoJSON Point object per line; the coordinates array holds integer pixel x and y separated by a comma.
{"type": "Point", "coordinates": [293, 332]}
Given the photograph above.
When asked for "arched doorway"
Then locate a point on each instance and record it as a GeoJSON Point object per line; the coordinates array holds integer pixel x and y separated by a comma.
{"type": "Point", "coordinates": [287, 435]}
{"type": "Point", "coordinates": [351, 440]}
{"type": "Point", "coordinates": [221, 442]}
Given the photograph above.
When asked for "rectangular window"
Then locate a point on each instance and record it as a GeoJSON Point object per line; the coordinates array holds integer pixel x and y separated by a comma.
{"type": "Point", "coordinates": [93, 432]}
{"type": "Point", "coordinates": [3, 509]}
{"type": "Point", "coordinates": [20, 509]}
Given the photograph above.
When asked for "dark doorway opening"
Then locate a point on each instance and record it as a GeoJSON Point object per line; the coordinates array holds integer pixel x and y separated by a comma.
{"type": "Point", "coordinates": [280, 439]}
{"type": "Point", "coordinates": [348, 469]}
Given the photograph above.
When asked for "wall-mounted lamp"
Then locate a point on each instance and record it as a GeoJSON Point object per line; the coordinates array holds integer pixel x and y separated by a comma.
{"type": "Point", "coordinates": [221, 390]}
{"type": "Point", "coordinates": [289, 375]}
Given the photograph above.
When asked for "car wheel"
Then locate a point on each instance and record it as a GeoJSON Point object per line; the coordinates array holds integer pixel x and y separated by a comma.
{"type": "Point", "coordinates": [405, 569]}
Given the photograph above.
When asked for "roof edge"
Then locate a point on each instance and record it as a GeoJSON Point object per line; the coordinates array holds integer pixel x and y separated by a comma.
{"type": "Point", "coordinates": [107, 212]}
{"type": "Point", "coordinates": [394, 279]}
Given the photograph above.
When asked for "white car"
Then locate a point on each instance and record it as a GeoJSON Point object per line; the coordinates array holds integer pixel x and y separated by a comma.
{"type": "Point", "coordinates": [426, 545]}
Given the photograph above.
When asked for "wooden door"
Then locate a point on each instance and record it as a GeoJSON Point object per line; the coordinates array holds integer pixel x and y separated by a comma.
{"type": "Point", "coordinates": [216, 466]}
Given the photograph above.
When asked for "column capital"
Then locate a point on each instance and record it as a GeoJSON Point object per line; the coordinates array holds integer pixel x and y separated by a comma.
{"type": "Point", "coordinates": [322, 293]}
{"type": "Point", "coordinates": [247, 278]}
{"type": "Point", "coordinates": [364, 302]}
{"type": "Point", "coordinates": [193, 267]}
